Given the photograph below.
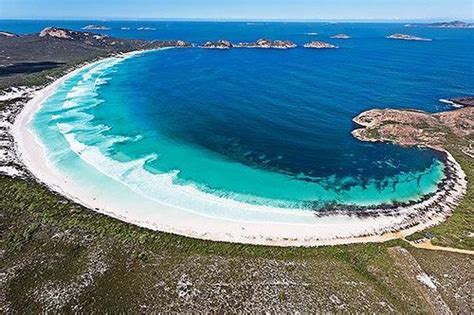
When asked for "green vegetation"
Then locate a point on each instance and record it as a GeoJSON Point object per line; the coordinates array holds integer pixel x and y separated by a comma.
{"type": "Point", "coordinates": [54, 247]}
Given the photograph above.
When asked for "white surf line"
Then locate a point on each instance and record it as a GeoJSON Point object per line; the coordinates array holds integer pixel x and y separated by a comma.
{"type": "Point", "coordinates": [328, 229]}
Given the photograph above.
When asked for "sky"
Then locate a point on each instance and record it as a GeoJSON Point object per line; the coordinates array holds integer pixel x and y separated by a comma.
{"type": "Point", "coordinates": [239, 9]}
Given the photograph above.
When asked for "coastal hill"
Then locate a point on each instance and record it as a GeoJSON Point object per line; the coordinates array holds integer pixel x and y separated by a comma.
{"type": "Point", "coordinates": [56, 47]}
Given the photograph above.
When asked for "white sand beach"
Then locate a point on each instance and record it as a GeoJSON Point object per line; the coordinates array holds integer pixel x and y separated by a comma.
{"type": "Point", "coordinates": [318, 229]}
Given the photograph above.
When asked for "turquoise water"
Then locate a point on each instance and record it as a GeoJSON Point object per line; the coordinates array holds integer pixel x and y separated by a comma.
{"type": "Point", "coordinates": [211, 131]}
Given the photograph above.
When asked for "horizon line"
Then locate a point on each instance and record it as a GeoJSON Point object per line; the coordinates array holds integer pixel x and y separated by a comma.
{"type": "Point", "coordinates": [175, 19]}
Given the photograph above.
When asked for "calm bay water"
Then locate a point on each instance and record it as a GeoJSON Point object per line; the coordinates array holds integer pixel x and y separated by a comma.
{"type": "Point", "coordinates": [265, 127]}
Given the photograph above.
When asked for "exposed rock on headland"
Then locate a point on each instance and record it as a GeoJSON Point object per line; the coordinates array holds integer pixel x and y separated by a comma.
{"type": "Point", "coordinates": [341, 36]}
{"type": "Point", "coordinates": [266, 43]}
{"type": "Point", "coordinates": [414, 128]}
{"type": "Point", "coordinates": [408, 37]}
{"type": "Point", "coordinates": [319, 45]}
{"type": "Point", "coordinates": [7, 34]}
{"type": "Point", "coordinates": [220, 44]}
{"type": "Point", "coordinates": [460, 101]}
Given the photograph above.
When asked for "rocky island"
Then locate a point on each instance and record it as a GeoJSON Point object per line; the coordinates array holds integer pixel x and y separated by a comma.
{"type": "Point", "coordinates": [453, 24]}
{"type": "Point", "coordinates": [267, 43]}
{"type": "Point", "coordinates": [341, 36]}
{"type": "Point", "coordinates": [319, 45]}
{"type": "Point", "coordinates": [144, 28]}
{"type": "Point", "coordinates": [220, 44]}
{"type": "Point", "coordinates": [96, 27]}
{"type": "Point", "coordinates": [408, 37]}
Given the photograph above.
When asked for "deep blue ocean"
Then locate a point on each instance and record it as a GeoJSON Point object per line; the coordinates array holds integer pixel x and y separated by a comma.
{"type": "Point", "coordinates": [264, 127]}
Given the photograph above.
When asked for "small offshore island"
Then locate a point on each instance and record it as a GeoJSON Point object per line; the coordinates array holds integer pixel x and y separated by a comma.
{"type": "Point", "coordinates": [261, 43]}
{"type": "Point", "coordinates": [408, 37]}
{"type": "Point", "coordinates": [320, 45]}
{"type": "Point", "coordinates": [341, 36]}
{"type": "Point", "coordinates": [96, 27]}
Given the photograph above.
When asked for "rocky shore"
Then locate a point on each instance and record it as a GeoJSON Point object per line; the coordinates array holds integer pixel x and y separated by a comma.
{"type": "Point", "coordinates": [408, 37]}
{"type": "Point", "coordinates": [460, 101]}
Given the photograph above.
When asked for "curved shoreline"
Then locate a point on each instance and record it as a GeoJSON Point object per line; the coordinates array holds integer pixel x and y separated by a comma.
{"type": "Point", "coordinates": [341, 227]}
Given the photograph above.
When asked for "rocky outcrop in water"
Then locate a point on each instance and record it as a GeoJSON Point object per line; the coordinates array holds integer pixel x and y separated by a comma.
{"type": "Point", "coordinates": [319, 45]}
{"type": "Point", "coordinates": [220, 44]}
{"type": "Point", "coordinates": [93, 27]}
{"type": "Point", "coordinates": [267, 43]}
{"type": "Point", "coordinates": [341, 36]}
{"type": "Point", "coordinates": [461, 101]}
{"type": "Point", "coordinates": [399, 36]}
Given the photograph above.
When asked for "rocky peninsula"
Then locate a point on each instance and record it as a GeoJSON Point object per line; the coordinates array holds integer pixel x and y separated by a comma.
{"type": "Point", "coordinates": [319, 45]}
{"type": "Point", "coordinates": [416, 128]}
{"type": "Point", "coordinates": [399, 36]}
